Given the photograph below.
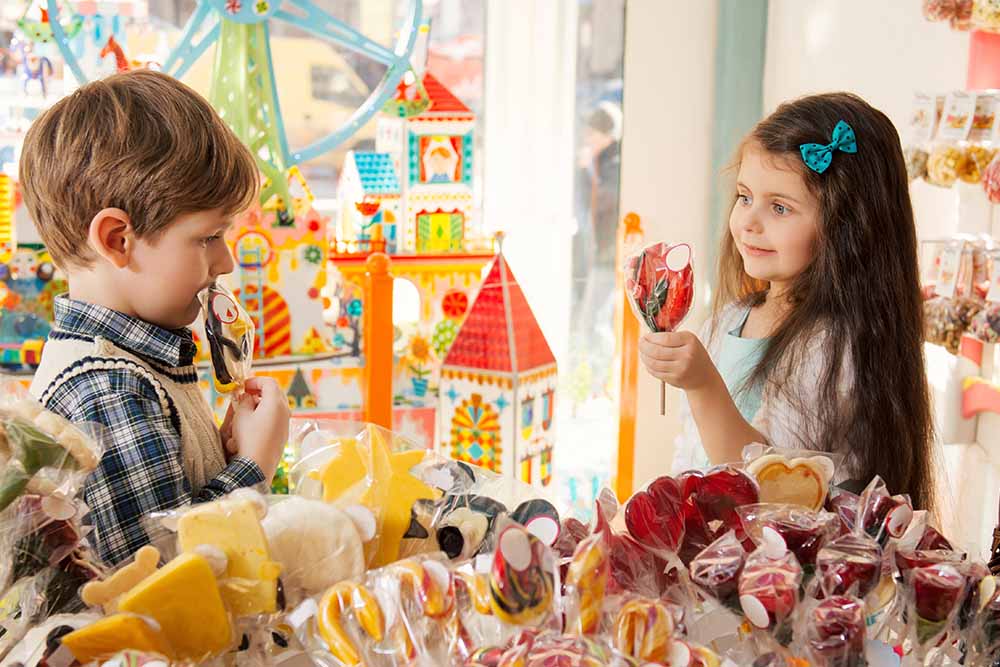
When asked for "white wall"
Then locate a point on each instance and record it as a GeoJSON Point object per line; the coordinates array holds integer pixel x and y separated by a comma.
{"type": "Point", "coordinates": [883, 51]}
{"type": "Point", "coordinates": [666, 164]}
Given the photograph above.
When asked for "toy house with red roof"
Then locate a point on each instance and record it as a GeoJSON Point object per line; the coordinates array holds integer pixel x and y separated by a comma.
{"type": "Point", "coordinates": [498, 383]}
{"type": "Point", "coordinates": [429, 134]}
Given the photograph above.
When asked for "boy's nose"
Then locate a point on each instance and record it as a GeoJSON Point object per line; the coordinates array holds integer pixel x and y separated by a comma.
{"type": "Point", "coordinates": [224, 264]}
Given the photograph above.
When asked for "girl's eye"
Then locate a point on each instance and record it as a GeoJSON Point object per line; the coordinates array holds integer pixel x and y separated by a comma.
{"type": "Point", "coordinates": [743, 200]}
{"type": "Point", "coordinates": [780, 209]}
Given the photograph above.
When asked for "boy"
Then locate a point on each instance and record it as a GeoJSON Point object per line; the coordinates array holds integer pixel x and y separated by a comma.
{"type": "Point", "coordinates": [132, 182]}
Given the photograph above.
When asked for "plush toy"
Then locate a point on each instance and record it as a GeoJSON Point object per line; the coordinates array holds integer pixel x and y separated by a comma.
{"type": "Point", "coordinates": [317, 544]}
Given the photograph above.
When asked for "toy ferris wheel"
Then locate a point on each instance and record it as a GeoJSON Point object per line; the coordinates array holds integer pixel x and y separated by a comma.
{"type": "Point", "coordinates": [243, 88]}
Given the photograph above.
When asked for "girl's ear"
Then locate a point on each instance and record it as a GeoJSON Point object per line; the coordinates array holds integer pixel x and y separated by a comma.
{"type": "Point", "coordinates": [111, 236]}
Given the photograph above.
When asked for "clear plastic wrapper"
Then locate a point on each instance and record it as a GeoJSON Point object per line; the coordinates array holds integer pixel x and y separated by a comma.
{"type": "Point", "coordinates": [991, 180]}
{"type": "Point", "coordinates": [836, 633]}
{"type": "Point", "coordinates": [944, 164]}
{"type": "Point", "coordinates": [962, 20]}
{"type": "Point", "coordinates": [793, 477]}
{"type": "Point", "coordinates": [933, 598]}
{"type": "Point", "coordinates": [883, 517]}
{"type": "Point", "coordinates": [717, 570]}
{"type": "Point", "coordinates": [986, 15]}
{"type": "Point", "coordinates": [974, 163]}
{"type": "Point", "coordinates": [939, 10]}
{"type": "Point", "coordinates": [686, 514]}
{"type": "Point", "coordinates": [422, 502]}
{"type": "Point", "coordinates": [916, 162]}
{"type": "Point", "coordinates": [769, 590]}
{"type": "Point", "coordinates": [849, 565]}
{"type": "Point", "coordinates": [645, 629]}
{"type": "Point", "coordinates": [985, 325]}
{"type": "Point", "coordinates": [947, 319]}
{"type": "Point", "coordinates": [984, 633]}
{"type": "Point", "coordinates": [230, 333]}
{"type": "Point", "coordinates": [44, 553]}
{"type": "Point", "coordinates": [659, 281]}
{"type": "Point", "coordinates": [586, 586]}
{"type": "Point", "coordinates": [803, 531]}
{"type": "Point", "coordinates": [634, 568]}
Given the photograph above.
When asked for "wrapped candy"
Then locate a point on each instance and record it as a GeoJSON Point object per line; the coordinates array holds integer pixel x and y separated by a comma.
{"type": "Point", "coordinates": [230, 333]}
{"type": "Point", "coordinates": [974, 164]}
{"type": "Point", "coordinates": [633, 567]}
{"type": "Point", "coordinates": [916, 162]}
{"type": "Point", "coordinates": [836, 633]}
{"type": "Point", "coordinates": [586, 585]}
{"type": "Point", "coordinates": [711, 500]}
{"type": "Point", "coordinates": [991, 180]}
{"type": "Point", "coordinates": [849, 565]}
{"type": "Point", "coordinates": [790, 477]}
{"type": "Point", "coordinates": [659, 282]}
{"type": "Point", "coordinates": [804, 532]}
{"type": "Point", "coordinates": [644, 629]}
{"type": "Point", "coordinates": [985, 632]}
{"type": "Point", "coordinates": [884, 516]}
{"type": "Point", "coordinates": [717, 570]}
{"type": "Point", "coordinates": [522, 578]}
{"type": "Point", "coordinates": [985, 325]}
{"type": "Point", "coordinates": [939, 10]}
{"type": "Point", "coordinates": [654, 516]}
{"type": "Point", "coordinates": [769, 587]}
{"type": "Point", "coordinates": [962, 20]}
{"type": "Point", "coordinates": [948, 319]}
{"type": "Point", "coordinates": [944, 164]}
{"type": "Point", "coordinates": [986, 15]}
{"type": "Point", "coordinates": [934, 595]}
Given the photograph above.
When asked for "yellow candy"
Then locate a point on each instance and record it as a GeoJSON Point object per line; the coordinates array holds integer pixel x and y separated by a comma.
{"type": "Point", "coordinates": [643, 630]}
{"type": "Point", "coordinates": [183, 597]}
{"type": "Point", "coordinates": [250, 584]}
{"type": "Point", "coordinates": [115, 633]}
{"type": "Point", "coordinates": [391, 490]}
{"type": "Point", "coordinates": [335, 602]}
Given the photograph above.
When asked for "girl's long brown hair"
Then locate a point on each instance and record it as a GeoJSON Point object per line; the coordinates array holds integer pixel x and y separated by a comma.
{"type": "Point", "coordinates": [861, 293]}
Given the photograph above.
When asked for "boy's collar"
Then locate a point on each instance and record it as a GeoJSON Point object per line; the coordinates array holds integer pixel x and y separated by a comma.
{"type": "Point", "coordinates": [171, 348]}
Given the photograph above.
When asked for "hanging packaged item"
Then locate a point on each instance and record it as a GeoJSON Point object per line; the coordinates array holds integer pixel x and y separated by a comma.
{"type": "Point", "coordinates": [950, 313]}
{"type": "Point", "coordinates": [986, 324]}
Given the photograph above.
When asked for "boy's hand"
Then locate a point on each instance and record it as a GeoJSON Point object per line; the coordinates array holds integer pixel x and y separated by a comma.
{"type": "Point", "coordinates": [260, 424]}
{"type": "Point", "coordinates": [679, 359]}
{"type": "Point", "coordinates": [226, 433]}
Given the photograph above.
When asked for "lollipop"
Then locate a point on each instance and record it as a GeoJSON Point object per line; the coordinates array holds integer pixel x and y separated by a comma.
{"type": "Point", "coordinates": [659, 282]}
{"type": "Point", "coordinates": [230, 333]}
{"type": "Point", "coordinates": [340, 598]}
{"type": "Point", "coordinates": [522, 577]}
{"type": "Point", "coordinates": [587, 580]}
{"type": "Point", "coordinates": [849, 565]}
{"type": "Point", "coordinates": [717, 570]}
{"type": "Point", "coordinates": [836, 633]}
{"type": "Point", "coordinates": [769, 587]}
{"type": "Point", "coordinates": [935, 593]}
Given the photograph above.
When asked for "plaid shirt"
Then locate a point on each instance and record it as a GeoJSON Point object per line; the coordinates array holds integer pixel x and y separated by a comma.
{"type": "Point", "coordinates": [141, 470]}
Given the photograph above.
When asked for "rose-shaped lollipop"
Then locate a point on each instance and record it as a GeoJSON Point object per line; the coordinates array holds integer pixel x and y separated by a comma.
{"type": "Point", "coordinates": [935, 593]}
{"type": "Point", "coordinates": [769, 587]}
{"type": "Point", "coordinates": [804, 531]}
{"type": "Point", "coordinates": [849, 565]}
{"type": "Point", "coordinates": [717, 570]}
{"type": "Point", "coordinates": [659, 282]}
{"type": "Point", "coordinates": [836, 633]}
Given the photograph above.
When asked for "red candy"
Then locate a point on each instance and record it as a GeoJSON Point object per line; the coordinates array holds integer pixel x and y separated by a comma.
{"type": "Point", "coordinates": [717, 569]}
{"type": "Point", "coordinates": [769, 588]}
{"type": "Point", "coordinates": [937, 590]}
{"type": "Point", "coordinates": [804, 531]}
{"type": "Point", "coordinates": [837, 633]}
{"type": "Point", "coordinates": [633, 567]}
{"type": "Point", "coordinates": [851, 564]}
{"type": "Point", "coordinates": [660, 284]}
{"type": "Point", "coordinates": [654, 517]}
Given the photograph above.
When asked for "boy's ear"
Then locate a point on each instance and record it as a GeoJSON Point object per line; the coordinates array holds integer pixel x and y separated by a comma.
{"type": "Point", "coordinates": [111, 236]}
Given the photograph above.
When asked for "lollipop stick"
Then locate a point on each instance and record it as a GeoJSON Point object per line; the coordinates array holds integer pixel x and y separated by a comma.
{"type": "Point", "coordinates": [663, 397]}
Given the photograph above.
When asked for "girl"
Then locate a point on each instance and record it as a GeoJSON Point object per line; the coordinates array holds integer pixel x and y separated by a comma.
{"type": "Point", "coordinates": [817, 328]}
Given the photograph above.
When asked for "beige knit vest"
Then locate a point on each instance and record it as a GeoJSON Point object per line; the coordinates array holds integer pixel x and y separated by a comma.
{"type": "Point", "coordinates": [202, 457]}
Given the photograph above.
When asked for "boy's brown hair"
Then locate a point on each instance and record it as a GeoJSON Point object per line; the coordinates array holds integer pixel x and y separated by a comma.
{"type": "Point", "coordinates": [140, 141]}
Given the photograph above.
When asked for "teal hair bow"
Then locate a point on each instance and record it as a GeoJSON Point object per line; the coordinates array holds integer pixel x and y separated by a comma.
{"type": "Point", "coordinates": [818, 157]}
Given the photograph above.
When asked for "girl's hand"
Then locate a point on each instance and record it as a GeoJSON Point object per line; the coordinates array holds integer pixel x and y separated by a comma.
{"type": "Point", "coordinates": [679, 359]}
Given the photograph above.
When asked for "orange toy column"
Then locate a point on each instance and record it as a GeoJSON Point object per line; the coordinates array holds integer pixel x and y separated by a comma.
{"type": "Point", "coordinates": [378, 340]}
{"type": "Point", "coordinates": [629, 239]}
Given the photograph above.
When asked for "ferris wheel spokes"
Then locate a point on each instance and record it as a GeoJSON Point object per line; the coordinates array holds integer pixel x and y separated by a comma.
{"type": "Point", "coordinates": [314, 20]}
{"type": "Point", "coordinates": [187, 51]}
